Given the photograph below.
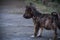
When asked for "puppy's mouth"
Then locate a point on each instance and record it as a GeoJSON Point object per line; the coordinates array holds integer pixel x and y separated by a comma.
{"type": "Point", "coordinates": [27, 17]}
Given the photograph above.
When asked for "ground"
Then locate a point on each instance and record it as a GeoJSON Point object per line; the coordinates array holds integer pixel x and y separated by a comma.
{"type": "Point", "coordinates": [15, 27]}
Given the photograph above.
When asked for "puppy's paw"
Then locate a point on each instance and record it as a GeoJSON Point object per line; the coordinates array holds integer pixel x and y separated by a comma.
{"type": "Point", "coordinates": [39, 36]}
{"type": "Point", "coordinates": [32, 36]}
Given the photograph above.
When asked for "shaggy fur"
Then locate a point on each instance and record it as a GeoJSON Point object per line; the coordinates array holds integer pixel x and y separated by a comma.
{"type": "Point", "coordinates": [47, 21]}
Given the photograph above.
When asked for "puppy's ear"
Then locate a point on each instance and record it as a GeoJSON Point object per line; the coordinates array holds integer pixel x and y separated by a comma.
{"type": "Point", "coordinates": [30, 3]}
{"type": "Point", "coordinates": [26, 6]}
{"type": "Point", "coordinates": [54, 15]}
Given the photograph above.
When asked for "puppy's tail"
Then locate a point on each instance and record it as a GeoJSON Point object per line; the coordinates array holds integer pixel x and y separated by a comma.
{"type": "Point", "coordinates": [54, 15]}
{"type": "Point", "coordinates": [55, 18]}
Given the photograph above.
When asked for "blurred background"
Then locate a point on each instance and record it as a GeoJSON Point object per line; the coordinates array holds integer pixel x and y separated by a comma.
{"type": "Point", "coordinates": [14, 27]}
{"type": "Point", "coordinates": [12, 6]}
{"type": "Point", "coordinates": [16, 6]}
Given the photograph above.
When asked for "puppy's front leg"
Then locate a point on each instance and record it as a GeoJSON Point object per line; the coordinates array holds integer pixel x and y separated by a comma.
{"type": "Point", "coordinates": [36, 29]}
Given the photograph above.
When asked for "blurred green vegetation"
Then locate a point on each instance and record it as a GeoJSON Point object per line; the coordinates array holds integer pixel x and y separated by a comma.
{"type": "Point", "coordinates": [53, 6]}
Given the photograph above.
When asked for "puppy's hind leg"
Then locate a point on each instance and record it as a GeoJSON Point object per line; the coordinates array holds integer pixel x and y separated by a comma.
{"type": "Point", "coordinates": [55, 34]}
{"type": "Point", "coordinates": [40, 32]}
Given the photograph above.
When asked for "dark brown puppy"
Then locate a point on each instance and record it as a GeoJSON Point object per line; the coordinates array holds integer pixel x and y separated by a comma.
{"type": "Point", "coordinates": [40, 20]}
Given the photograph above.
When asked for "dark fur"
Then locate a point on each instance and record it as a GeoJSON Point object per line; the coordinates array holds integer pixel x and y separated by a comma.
{"type": "Point", "coordinates": [40, 20]}
{"type": "Point", "coordinates": [56, 18]}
